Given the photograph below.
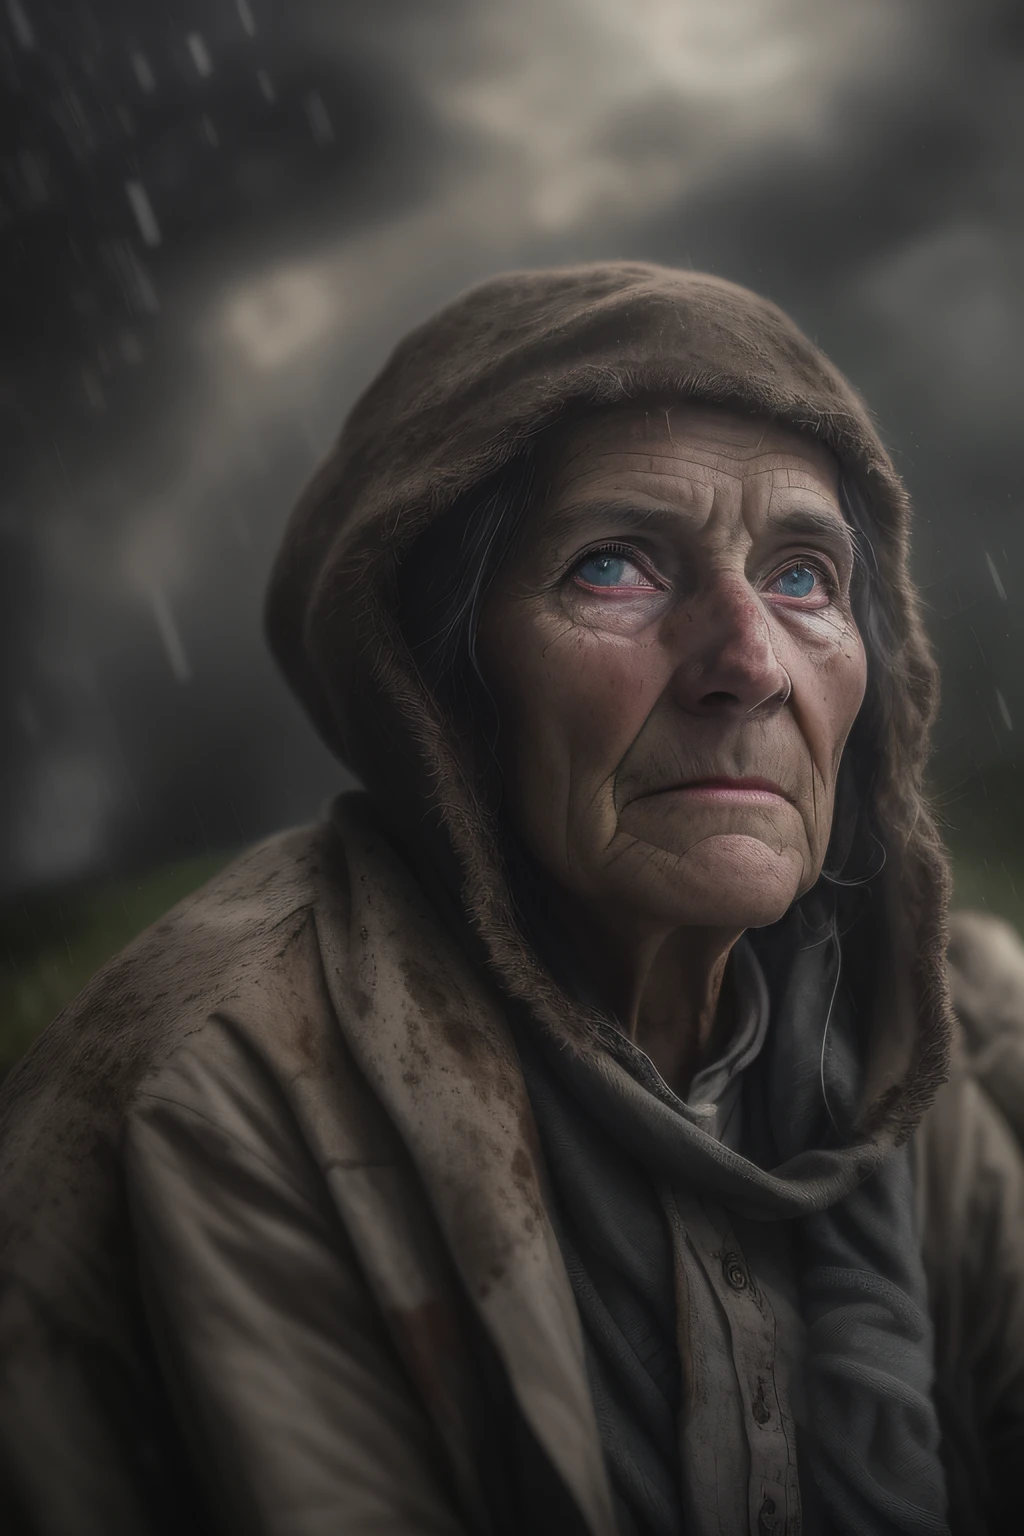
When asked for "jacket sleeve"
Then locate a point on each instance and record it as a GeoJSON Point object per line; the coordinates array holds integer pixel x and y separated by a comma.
{"type": "Point", "coordinates": [293, 1403]}
{"type": "Point", "coordinates": [974, 1254]}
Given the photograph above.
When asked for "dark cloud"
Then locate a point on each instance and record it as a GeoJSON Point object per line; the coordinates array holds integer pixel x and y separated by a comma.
{"type": "Point", "coordinates": [860, 162]}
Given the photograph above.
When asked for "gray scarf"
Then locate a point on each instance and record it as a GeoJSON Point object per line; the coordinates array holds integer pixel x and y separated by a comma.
{"type": "Point", "coordinates": [615, 1137]}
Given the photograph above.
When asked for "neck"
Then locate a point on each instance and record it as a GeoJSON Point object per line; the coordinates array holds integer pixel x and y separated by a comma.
{"type": "Point", "coordinates": [667, 988]}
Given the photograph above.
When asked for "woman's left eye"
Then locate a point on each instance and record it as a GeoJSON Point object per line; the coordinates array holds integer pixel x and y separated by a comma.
{"type": "Point", "coordinates": [801, 580]}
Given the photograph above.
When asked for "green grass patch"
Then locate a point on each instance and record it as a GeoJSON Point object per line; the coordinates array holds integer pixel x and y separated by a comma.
{"type": "Point", "coordinates": [53, 941]}
{"type": "Point", "coordinates": [982, 823]}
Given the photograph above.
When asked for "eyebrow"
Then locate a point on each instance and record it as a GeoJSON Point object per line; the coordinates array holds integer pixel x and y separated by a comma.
{"type": "Point", "coordinates": [831, 528]}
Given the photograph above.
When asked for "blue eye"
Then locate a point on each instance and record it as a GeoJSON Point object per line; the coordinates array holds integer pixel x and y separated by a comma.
{"type": "Point", "coordinates": [603, 570]}
{"type": "Point", "coordinates": [802, 579]}
{"type": "Point", "coordinates": [613, 570]}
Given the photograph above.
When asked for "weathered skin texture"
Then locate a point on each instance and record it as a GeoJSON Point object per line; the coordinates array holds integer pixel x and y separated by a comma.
{"type": "Point", "coordinates": [698, 663]}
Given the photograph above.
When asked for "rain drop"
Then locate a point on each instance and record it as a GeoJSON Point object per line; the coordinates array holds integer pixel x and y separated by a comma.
{"type": "Point", "coordinates": [169, 633]}
{"type": "Point", "coordinates": [319, 119]}
{"type": "Point", "coordinates": [21, 24]}
{"type": "Point", "coordinates": [996, 582]}
{"type": "Point", "coordinates": [142, 208]}
{"type": "Point", "coordinates": [200, 54]}
{"type": "Point", "coordinates": [143, 72]}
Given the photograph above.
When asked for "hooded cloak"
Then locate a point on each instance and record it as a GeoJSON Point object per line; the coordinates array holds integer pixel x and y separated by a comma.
{"type": "Point", "coordinates": [459, 398]}
{"type": "Point", "coordinates": [277, 1249]}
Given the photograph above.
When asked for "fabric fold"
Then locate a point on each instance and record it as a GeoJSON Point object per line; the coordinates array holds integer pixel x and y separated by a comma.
{"type": "Point", "coordinates": [619, 1146]}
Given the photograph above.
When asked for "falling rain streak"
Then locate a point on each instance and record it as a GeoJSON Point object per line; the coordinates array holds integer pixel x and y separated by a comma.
{"type": "Point", "coordinates": [169, 633]}
{"type": "Point", "coordinates": [319, 119]}
{"type": "Point", "coordinates": [996, 581]}
{"type": "Point", "coordinates": [21, 25]}
{"type": "Point", "coordinates": [143, 73]}
{"type": "Point", "coordinates": [142, 208]}
{"type": "Point", "coordinates": [154, 152]}
{"type": "Point", "coordinates": [200, 54]}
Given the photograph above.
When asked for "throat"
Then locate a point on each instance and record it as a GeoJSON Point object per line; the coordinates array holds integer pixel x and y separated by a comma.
{"type": "Point", "coordinates": [685, 1031]}
{"type": "Point", "coordinates": [673, 992]}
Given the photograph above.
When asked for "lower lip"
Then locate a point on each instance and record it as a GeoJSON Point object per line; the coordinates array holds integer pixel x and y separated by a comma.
{"type": "Point", "coordinates": [722, 794]}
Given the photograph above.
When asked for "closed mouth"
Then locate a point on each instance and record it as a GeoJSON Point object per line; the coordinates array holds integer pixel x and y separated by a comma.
{"type": "Point", "coordinates": [751, 785]}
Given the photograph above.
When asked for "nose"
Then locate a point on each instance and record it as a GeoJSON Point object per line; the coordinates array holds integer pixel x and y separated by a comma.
{"type": "Point", "coordinates": [727, 657]}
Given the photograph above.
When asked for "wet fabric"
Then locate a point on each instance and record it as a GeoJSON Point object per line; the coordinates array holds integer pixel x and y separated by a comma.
{"type": "Point", "coordinates": [634, 1175]}
{"type": "Point", "coordinates": [243, 1275]}
{"type": "Point", "coordinates": [618, 1245]}
{"type": "Point", "coordinates": [617, 1249]}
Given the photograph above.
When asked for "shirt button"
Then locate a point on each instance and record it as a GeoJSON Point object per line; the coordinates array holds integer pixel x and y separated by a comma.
{"type": "Point", "coordinates": [734, 1271]}
{"type": "Point", "coordinates": [767, 1519]}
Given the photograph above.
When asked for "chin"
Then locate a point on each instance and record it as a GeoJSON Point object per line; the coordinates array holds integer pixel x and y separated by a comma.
{"type": "Point", "coordinates": [730, 881]}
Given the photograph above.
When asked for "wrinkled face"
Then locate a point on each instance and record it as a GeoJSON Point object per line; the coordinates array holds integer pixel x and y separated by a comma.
{"type": "Point", "coordinates": [677, 611]}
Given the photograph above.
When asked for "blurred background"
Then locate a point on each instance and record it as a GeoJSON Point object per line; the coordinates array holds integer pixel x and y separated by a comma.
{"type": "Point", "coordinates": [217, 216]}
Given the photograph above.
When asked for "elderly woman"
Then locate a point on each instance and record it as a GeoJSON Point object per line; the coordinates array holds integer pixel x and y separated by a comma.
{"type": "Point", "coordinates": [540, 1144]}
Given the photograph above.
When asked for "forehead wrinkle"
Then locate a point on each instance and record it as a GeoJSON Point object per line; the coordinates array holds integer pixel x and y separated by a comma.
{"type": "Point", "coordinates": [682, 469]}
{"type": "Point", "coordinates": [575, 516]}
{"type": "Point", "coordinates": [706, 496]}
{"type": "Point", "coordinates": [674, 458]}
{"type": "Point", "coordinates": [736, 432]}
{"type": "Point", "coordinates": [627, 487]}
{"type": "Point", "coordinates": [825, 520]}
{"type": "Point", "coordinates": [800, 518]}
{"type": "Point", "coordinates": [804, 492]}
{"type": "Point", "coordinates": [704, 475]}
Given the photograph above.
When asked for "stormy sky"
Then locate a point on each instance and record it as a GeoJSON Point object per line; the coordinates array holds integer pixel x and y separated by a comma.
{"type": "Point", "coordinates": [219, 215]}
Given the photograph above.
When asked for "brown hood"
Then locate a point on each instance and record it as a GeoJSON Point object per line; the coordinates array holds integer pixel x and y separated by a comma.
{"type": "Point", "coordinates": [462, 395]}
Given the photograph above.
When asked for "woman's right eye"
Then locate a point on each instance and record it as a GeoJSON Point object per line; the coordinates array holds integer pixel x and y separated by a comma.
{"type": "Point", "coordinates": [611, 570]}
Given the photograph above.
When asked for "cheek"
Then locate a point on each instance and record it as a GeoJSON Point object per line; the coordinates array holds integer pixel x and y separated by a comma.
{"type": "Point", "coordinates": [837, 694]}
{"type": "Point", "coordinates": [572, 698]}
